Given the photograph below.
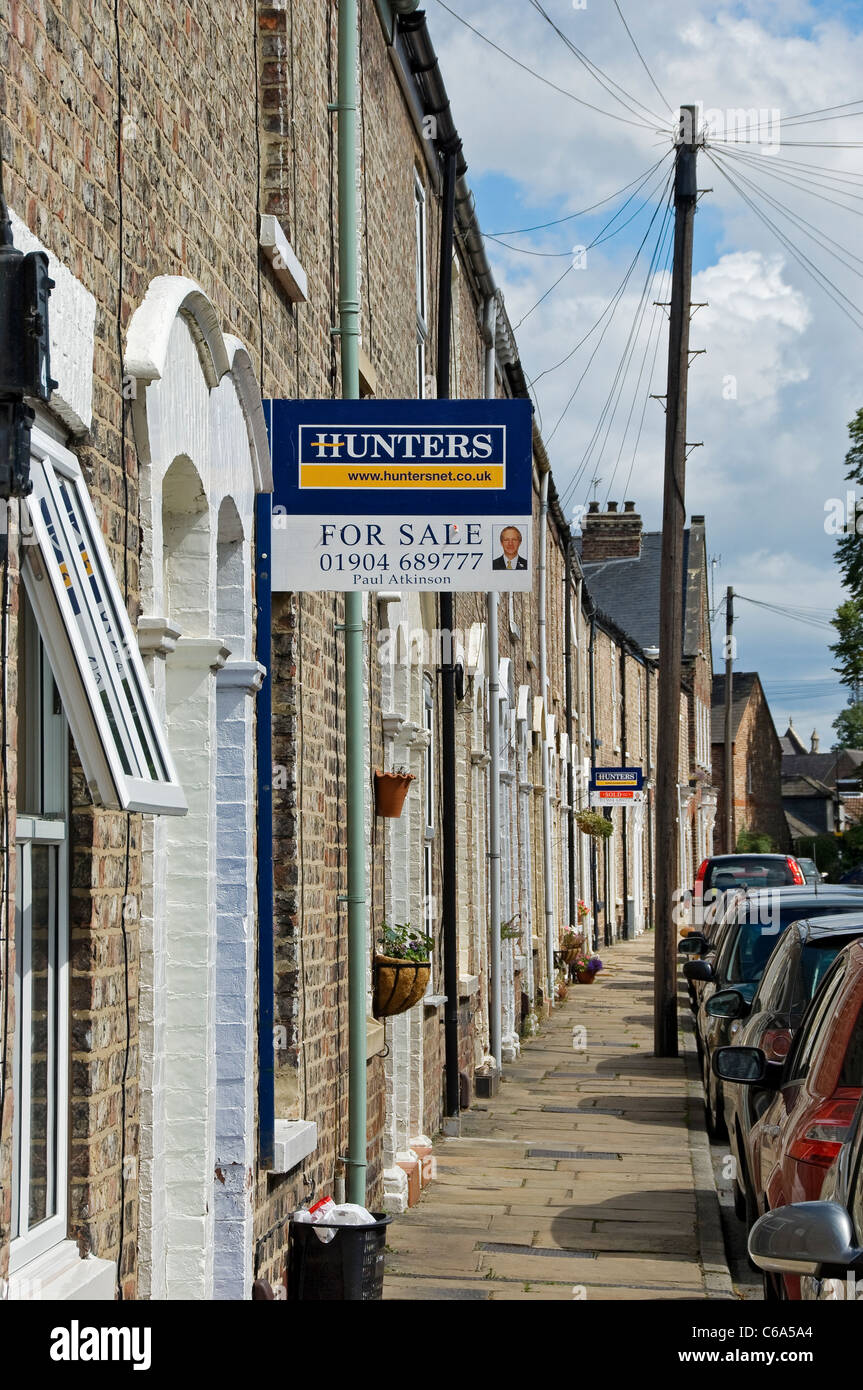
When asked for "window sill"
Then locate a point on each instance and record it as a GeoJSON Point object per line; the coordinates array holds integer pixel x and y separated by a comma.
{"type": "Point", "coordinates": [294, 1140]}
{"type": "Point", "coordinates": [62, 1276]}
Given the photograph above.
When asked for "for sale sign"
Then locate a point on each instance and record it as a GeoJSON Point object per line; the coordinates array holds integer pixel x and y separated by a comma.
{"type": "Point", "coordinates": [393, 494]}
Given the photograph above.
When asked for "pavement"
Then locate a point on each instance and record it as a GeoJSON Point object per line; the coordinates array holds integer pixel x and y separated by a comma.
{"type": "Point", "coordinates": [588, 1176]}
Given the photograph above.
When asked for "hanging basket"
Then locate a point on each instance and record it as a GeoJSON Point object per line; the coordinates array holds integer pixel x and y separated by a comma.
{"type": "Point", "coordinates": [391, 788]}
{"type": "Point", "coordinates": [593, 823]}
{"type": "Point", "coordinates": [399, 984]}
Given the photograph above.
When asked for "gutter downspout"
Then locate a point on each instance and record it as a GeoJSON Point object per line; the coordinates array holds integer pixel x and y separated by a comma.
{"type": "Point", "coordinates": [649, 799]}
{"type": "Point", "coordinates": [264, 779]}
{"type": "Point", "coordinates": [546, 796]}
{"type": "Point", "coordinates": [592, 692]}
{"type": "Point", "coordinates": [570, 779]}
{"type": "Point", "coordinates": [349, 327]}
{"type": "Point", "coordinates": [449, 809]}
{"type": "Point", "coordinates": [491, 601]}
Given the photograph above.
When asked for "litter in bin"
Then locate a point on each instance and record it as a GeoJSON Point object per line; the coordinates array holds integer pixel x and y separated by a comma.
{"type": "Point", "coordinates": [326, 1214]}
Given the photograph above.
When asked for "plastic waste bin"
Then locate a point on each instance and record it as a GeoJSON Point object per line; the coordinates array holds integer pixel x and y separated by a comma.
{"type": "Point", "coordinates": [349, 1268]}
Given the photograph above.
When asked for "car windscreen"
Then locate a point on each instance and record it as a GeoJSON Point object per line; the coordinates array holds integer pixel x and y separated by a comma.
{"type": "Point", "coordinates": [749, 945]}
{"type": "Point", "coordinates": [747, 873]}
{"type": "Point", "coordinates": [816, 960]}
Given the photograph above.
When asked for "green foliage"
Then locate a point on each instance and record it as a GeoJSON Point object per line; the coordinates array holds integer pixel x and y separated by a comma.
{"type": "Point", "coordinates": [824, 849]}
{"type": "Point", "coordinates": [849, 728]}
{"type": "Point", "coordinates": [849, 548]}
{"type": "Point", "coordinates": [848, 651]}
{"type": "Point", "coordinates": [403, 943]}
{"type": "Point", "coordinates": [754, 842]}
{"type": "Point", "coordinates": [594, 823]}
{"type": "Point", "coordinates": [851, 848]}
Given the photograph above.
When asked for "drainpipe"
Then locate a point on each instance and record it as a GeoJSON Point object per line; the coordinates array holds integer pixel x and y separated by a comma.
{"type": "Point", "coordinates": [264, 777]}
{"type": "Point", "coordinates": [649, 799]}
{"type": "Point", "coordinates": [449, 867]}
{"type": "Point", "coordinates": [491, 602]}
{"type": "Point", "coordinates": [546, 796]}
{"type": "Point", "coordinates": [349, 327]}
{"type": "Point", "coordinates": [594, 866]}
{"type": "Point", "coordinates": [625, 828]}
{"type": "Point", "coordinates": [570, 779]}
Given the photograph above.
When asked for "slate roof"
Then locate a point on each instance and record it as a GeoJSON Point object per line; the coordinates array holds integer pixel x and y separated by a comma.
{"type": "Point", "coordinates": [805, 786]}
{"type": "Point", "coordinates": [791, 742]}
{"type": "Point", "coordinates": [742, 686]}
{"type": "Point", "coordinates": [628, 590]}
{"type": "Point", "coordinates": [799, 828]}
{"type": "Point", "coordinates": [821, 766]}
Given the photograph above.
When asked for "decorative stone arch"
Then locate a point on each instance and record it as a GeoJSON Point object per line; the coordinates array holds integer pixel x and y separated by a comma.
{"type": "Point", "coordinates": [203, 456]}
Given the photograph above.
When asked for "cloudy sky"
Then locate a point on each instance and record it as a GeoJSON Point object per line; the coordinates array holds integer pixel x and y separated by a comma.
{"type": "Point", "coordinates": [781, 377]}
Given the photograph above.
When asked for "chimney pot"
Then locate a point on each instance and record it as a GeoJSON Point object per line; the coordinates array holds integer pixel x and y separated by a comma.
{"type": "Point", "coordinates": [629, 506]}
{"type": "Point", "coordinates": [592, 508]}
{"type": "Point", "coordinates": [612, 506]}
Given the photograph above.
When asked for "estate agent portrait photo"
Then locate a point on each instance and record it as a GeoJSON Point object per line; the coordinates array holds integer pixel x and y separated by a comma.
{"type": "Point", "coordinates": [510, 543]}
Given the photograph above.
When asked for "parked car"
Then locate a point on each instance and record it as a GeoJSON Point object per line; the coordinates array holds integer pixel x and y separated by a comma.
{"type": "Point", "coordinates": [816, 1093]}
{"type": "Point", "coordinates": [724, 871]}
{"type": "Point", "coordinates": [737, 959]}
{"type": "Point", "coordinates": [821, 1243]}
{"type": "Point", "coordinates": [811, 871]}
{"type": "Point", "coordinates": [798, 964]}
{"type": "Point", "coordinates": [854, 875]}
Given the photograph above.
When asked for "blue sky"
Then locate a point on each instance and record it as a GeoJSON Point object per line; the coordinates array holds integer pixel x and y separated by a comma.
{"type": "Point", "coordinates": [772, 397]}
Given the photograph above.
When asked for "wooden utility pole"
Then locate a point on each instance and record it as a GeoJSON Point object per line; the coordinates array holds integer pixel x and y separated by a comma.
{"type": "Point", "coordinates": [729, 760]}
{"type": "Point", "coordinates": [671, 597]}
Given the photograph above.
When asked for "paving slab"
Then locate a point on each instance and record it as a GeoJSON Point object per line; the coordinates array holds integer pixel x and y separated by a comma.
{"type": "Point", "coordinates": [587, 1176]}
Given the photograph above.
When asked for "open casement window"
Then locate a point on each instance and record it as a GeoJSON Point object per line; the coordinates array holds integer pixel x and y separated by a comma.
{"type": "Point", "coordinates": [90, 643]}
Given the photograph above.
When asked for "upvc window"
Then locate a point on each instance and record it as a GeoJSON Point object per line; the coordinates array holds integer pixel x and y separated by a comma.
{"type": "Point", "coordinates": [41, 1058]}
{"type": "Point", "coordinates": [421, 283]}
{"type": "Point", "coordinates": [82, 617]}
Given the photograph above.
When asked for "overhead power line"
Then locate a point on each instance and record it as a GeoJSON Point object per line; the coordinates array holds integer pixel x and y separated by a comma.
{"type": "Point", "coordinates": [570, 216]}
{"type": "Point", "coordinates": [563, 91]}
{"type": "Point", "coordinates": [662, 98]}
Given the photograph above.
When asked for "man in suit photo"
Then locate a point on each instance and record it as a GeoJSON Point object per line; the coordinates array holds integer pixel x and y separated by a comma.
{"type": "Point", "coordinates": [510, 543]}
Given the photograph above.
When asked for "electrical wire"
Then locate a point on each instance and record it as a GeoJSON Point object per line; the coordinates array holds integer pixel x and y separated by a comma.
{"type": "Point", "coordinates": [807, 227]}
{"type": "Point", "coordinates": [570, 216]}
{"type": "Point", "coordinates": [593, 69]}
{"type": "Point", "coordinates": [615, 391]}
{"type": "Point", "coordinates": [803, 184]}
{"type": "Point", "coordinates": [619, 291]}
{"type": "Point", "coordinates": [600, 239]}
{"type": "Point", "coordinates": [610, 115]}
{"type": "Point", "coordinates": [647, 395]}
{"type": "Point", "coordinates": [808, 265]}
{"type": "Point", "coordinates": [785, 611]}
{"type": "Point", "coordinates": [661, 96]}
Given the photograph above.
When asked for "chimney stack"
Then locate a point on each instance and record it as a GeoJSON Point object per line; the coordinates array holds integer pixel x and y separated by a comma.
{"type": "Point", "coordinates": [610, 535]}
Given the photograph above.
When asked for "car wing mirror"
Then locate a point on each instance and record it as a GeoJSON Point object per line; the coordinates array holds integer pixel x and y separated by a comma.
{"type": "Point", "coordinates": [698, 970]}
{"type": "Point", "coordinates": [746, 1066]}
{"type": "Point", "coordinates": [693, 945]}
{"type": "Point", "coordinates": [727, 1003]}
{"type": "Point", "coordinates": [805, 1238]}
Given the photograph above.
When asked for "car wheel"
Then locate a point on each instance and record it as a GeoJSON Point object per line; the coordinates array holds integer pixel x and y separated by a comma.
{"type": "Point", "coordinates": [713, 1118]}
{"type": "Point", "coordinates": [740, 1204]}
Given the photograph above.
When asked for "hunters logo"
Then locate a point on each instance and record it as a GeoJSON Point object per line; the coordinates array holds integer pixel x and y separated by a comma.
{"type": "Point", "coordinates": [387, 457]}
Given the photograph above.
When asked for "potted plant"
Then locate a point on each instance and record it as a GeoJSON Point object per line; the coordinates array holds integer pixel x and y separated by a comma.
{"type": "Point", "coordinates": [391, 788]}
{"type": "Point", "coordinates": [594, 823]}
{"type": "Point", "coordinates": [571, 945]}
{"type": "Point", "coordinates": [587, 968]}
{"type": "Point", "coordinates": [583, 911]}
{"type": "Point", "coordinates": [401, 969]}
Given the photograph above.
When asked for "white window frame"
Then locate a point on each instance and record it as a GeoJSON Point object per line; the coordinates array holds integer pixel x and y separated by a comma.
{"type": "Point", "coordinates": [42, 824]}
{"type": "Point", "coordinates": [67, 564]}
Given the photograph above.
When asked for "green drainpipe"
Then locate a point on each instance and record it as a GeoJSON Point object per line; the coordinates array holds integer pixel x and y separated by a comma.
{"type": "Point", "coordinates": [349, 327]}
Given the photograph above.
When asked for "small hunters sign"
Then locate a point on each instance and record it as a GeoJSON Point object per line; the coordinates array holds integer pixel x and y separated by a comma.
{"type": "Point", "coordinates": [393, 494]}
{"type": "Point", "coordinates": [609, 785]}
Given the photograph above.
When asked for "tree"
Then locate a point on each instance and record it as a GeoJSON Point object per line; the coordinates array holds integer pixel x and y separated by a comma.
{"type": "Point", "coordinates": [849, 728]}
{"type": "Point", "coordinates": [849, 548]}
{"type": "Point", "coordinates": [849, 649]}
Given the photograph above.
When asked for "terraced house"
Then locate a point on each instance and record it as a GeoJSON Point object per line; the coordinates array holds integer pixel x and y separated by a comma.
{"type": "Point", "coordinates": [174, 1005]}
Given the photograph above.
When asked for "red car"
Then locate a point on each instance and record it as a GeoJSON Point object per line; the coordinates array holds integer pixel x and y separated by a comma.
{"type": "Point", "coordinates": [801, 1130]}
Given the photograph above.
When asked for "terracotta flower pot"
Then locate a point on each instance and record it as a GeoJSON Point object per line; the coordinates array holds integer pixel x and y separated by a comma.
{"type": "Point", "coordinates": [585, 977]}
{"type": "Point", "coordinates": [399, 984]}
{"type": "Point", "coordinates": [391, 788]}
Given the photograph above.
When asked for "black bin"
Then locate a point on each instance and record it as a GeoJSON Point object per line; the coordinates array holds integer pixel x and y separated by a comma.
{"type": "Point", "coordinates": [348, 1269]}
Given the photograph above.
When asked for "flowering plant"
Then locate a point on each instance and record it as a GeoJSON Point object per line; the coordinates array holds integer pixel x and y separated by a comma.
{"type": "Point", "coordinates": [583, 910]}
{"type": "Point", "coordinates": [590, 965]}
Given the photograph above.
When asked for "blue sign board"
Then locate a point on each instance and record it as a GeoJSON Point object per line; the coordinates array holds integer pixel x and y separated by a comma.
{"type": "Point", "coordinates": [385, 494]}
{"type": "Point", "coordinates": [617, 779]}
